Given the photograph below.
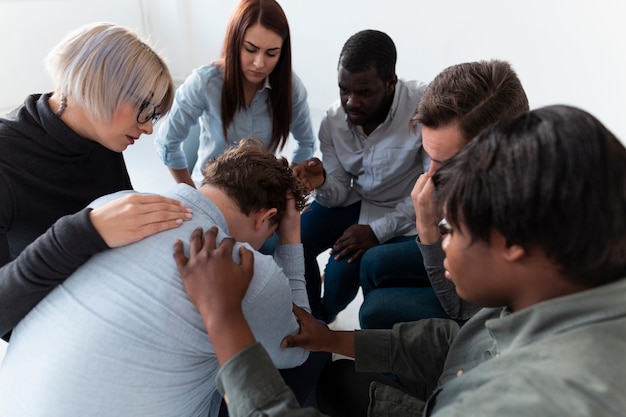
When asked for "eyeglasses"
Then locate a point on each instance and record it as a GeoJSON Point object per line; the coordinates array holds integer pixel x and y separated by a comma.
{"type": "Point", "coordinates": [147, 112]}
{"type": "Point", "coordinates": [444, 227]}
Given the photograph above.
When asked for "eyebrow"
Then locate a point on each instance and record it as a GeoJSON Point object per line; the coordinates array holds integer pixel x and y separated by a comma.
{"type": "Point", "coordinates": [254, 46]}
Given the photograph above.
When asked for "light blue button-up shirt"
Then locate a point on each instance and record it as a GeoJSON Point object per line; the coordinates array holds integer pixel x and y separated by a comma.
{"type": "Point", "coordinates": [380, 169]}
{"type": "Point", "coordinates": [198, 102]}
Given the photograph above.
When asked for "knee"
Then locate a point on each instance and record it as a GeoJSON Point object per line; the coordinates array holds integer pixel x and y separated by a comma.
{"type": "Point", "coordinates": [370, 269]}
{"type": "Point", "coordinates": [368, 313]}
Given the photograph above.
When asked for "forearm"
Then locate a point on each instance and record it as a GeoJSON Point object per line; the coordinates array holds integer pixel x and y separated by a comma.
{"type": "Point", "coordinates": [301, 127]}
{"type": "Point", "coordinates": [44, 264]}
{"type": "Point", "coordinates": [291, 259]}
{"type": "Point", "coordinates": [412, 351]}
{"type": "Point", "coordinates": [252, 386]}
{"type": "Point", "coordinates": [332, 193]}
{"type": "Point", "coordinates": [452, 304]}
{"type": "Point", "coordinates": [230, 334]}
{"type": "Point", "coordinates": [398, 221]}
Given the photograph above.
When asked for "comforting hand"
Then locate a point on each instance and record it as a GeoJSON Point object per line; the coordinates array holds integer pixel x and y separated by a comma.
{"type": "Point", "coordinates": [214, 282]}
{"type": "Point", "coordinates": [315, 336]}
{"type": "Point", "coordinates": [427, 216]}
{"type": "Point", "coordinates": [354, 241]}
{"type": "Point", "coordinates": [133, 217]}
{"type": "Point", "coordinates": [310, 173]}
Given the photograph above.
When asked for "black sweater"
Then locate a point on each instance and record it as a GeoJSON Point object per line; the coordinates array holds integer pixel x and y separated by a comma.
{"type": "Point", "coordinates": [52, 258]}
{"type": "Point", "coordinates": [48, 171]}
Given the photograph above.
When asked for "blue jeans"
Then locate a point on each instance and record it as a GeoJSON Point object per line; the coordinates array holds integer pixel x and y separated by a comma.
{"type": "Point", "coordinates": [384, 307]}
{"type": "Point", "coordinates": [395, 286]}
{"type": "Point", "coordinates": [270, 245]}
{"type": "Point", "coordinates": [321, 227]}
{"type": "Point", "coordinates": [397, 263]}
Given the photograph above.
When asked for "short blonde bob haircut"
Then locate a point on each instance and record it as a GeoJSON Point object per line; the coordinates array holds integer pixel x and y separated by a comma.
{"type": "Point", "coordinates": [102, 65]}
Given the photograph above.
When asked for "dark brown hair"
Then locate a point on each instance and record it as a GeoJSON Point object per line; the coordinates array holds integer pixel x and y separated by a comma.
{"type": "Point", "coordinates": [473, 95]}
{"type": "Point", "coordinates": [255, 178]}
{"type": "Point", "coordinates": [270, 15]}
{"type": "Point", "coordinates": [553, 178]}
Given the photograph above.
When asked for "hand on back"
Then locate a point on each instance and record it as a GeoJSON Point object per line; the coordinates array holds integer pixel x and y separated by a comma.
{"type": "Point", "coordinates": [133, 217]}
{"type": "Point", "coordinates": [214, 282]}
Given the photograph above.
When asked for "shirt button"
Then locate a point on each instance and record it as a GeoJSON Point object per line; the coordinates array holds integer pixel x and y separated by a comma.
{"type": "Point", "coordinates": [459, 372]}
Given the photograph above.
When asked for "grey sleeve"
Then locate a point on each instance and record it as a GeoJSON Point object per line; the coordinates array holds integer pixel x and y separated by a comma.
{"type": "Point", "coordinates": [454, 306]}
{"type": "Point", "coordinates": [44, 264]}
{"type": "Point", "coordinates": [254, 387]}
{"type": "Point", "coordinates": [414, 351]}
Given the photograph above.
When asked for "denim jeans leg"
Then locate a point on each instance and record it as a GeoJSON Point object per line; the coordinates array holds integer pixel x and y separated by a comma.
{"type": "Point", "coordinates": [396, 263]}
{"type": "Point", "coordinates": [341, 285]}
{"type": "Point", "coordinates": [270, 245]}
{"type": "Point", "coordinates": [383, 307]}
{"type": "Point", "coordinates": [321, 227]}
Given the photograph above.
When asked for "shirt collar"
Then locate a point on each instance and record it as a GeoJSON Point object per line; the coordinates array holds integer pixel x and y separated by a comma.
{"type": "Point", "coordinates": [266, 84]}
{"type": "Point", "coordinates": [515, 329]}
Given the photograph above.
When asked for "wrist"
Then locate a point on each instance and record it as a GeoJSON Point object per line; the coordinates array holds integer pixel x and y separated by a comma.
{"type": "Point", "coordinates": [428, 234]}
{"type": "Point", "coordinates": [216, 319]}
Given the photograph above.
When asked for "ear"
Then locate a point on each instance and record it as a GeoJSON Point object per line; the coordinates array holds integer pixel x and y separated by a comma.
{"type": "Point", "coordinates": [514, 253]}
{"type": "Point", "coordinates": [263, 216]}
{"type": "Point", "coordinates": [510, 252]}
{"type": "Point", "coordinates": [391, 84]}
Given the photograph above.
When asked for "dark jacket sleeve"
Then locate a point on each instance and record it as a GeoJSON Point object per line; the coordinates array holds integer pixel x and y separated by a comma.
{"type": "Point", "coordinates": [44, 264]}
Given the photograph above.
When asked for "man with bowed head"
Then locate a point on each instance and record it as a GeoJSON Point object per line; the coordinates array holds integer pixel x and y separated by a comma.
{"type": "Point", "coordinates": [370, 161]}
{"type": "Point", "coordinates": [131, 343]}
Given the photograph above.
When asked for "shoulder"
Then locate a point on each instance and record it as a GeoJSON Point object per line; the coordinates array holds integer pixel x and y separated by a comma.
{"type": "Point", "coordinates": [296, 81]}
{"type": "Point", "coordinates": [411, 88]}
{"type": "Point", "coordinates": [335, 112]}
{"type": "Point", "coordinates": [206, 75]}
{"type": "Point", "coordinates": [100, 201]}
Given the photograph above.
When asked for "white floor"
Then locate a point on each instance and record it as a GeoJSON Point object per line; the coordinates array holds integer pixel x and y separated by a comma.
{"type": "Point", "coordinates": [148, 174]}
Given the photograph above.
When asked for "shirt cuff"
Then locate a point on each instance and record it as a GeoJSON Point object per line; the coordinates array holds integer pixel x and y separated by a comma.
{"type": "Point", "coordinates": [432, 254]}
{"type": "Point", "coordinates": [250, 379]}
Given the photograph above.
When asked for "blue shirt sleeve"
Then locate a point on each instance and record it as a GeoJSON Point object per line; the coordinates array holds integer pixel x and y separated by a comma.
{"type": "Point", "coordinates": [301, 127]}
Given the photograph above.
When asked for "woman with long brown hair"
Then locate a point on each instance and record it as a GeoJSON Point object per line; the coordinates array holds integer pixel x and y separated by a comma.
{"type": "Point", "coordinates": [250, 91]}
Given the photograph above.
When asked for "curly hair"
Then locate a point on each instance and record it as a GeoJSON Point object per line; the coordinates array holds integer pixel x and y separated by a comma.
{"type": "Point", "coordinates": [369, 49]}
{"type": "Point", "coordinates": [255, 178]}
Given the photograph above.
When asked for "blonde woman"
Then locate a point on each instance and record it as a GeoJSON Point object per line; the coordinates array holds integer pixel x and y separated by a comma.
{"type": "Point", "coordinates": [61, 150]}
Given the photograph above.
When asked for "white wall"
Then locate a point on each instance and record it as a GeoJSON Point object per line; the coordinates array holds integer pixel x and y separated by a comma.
{"type": "Point", "coordinates": [565, 51]}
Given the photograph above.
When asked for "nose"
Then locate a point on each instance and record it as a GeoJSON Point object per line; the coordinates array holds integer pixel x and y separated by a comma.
{"type": "Point", "coordinates": [259, 61]}
{"type": "Point", "coordinates": [146, 127]}
{"type": "Point", "coordinates": [351, 101]}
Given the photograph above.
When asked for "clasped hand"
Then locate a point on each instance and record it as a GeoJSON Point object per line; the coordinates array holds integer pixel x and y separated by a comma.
{"type": "Point", "coordinates": [354, 241]}
{"type": "Point", "coordinates": [310, 173]}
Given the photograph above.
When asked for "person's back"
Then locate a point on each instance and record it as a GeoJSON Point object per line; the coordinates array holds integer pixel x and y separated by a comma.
{"type": "Point", "coordinates": [131, 343]}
